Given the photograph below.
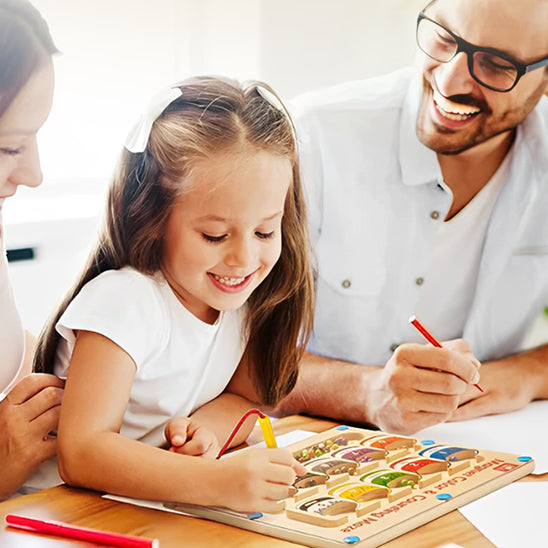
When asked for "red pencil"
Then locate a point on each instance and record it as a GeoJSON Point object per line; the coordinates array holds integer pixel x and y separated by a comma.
{"type": "Point", "coordinates": [430, 338]}
{"type": "Point", "coordinates": [80, 533]}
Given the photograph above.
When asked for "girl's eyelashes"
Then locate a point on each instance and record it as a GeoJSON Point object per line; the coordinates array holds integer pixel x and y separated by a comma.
{"type": "Point", "coordinates": [264, 235]}
{"type": "Point", "coordinates": [213, 239]}
{"type": "Point", "coordinates": [216, 239]}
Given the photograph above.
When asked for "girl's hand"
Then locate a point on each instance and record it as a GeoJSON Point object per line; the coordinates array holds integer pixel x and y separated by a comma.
{"type": "Point", "coordinates": [187, 437]}
{"type": "Point", "coordinates": [255, 479]}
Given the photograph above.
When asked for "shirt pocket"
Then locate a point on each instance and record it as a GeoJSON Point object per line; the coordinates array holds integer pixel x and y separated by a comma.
{"type": "Point", "coordinates": [351, 251]}
{"type": "Point", "coordinates": [510, 304]}
{"type": "Point", "coordinates": [351, 277]}
{"type": "Point", "coordinates": [531, 250]}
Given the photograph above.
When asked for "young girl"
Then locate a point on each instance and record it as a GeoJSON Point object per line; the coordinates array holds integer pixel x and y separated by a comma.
{"type": "Point", "coordinates": [200, 273]}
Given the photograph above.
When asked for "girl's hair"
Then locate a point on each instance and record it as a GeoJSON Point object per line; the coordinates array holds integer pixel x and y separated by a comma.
{"type": "Point", "coordinates": [24, 42]}
{"type": "Point", "coordinates": [212, 115]}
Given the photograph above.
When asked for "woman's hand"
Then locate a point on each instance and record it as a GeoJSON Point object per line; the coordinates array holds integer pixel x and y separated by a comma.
{"type": "Point", "coordinates": [28, 414]}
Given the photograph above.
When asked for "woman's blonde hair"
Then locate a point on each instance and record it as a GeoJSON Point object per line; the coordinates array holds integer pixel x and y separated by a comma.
{"type": "Point", "coordinates": [212, 115]}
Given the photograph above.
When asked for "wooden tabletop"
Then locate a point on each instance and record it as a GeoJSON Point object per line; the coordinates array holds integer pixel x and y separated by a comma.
{"type": "Point", "coordinates": [89, 509]}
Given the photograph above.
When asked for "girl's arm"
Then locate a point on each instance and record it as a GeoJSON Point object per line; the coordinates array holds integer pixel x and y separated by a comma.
{"type": "Point", "coordinates": [207, 429]}
{"type": "Point", "coordinates": [93, 454]}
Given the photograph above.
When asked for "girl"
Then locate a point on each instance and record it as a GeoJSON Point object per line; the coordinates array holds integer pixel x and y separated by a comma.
{"type": "Point", "coordinates": [200, 274]}
{"type": "Point", "coordinates": [29, 404]}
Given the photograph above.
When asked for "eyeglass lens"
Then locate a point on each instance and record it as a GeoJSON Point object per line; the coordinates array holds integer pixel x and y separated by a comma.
{"type": "Point", "coordinates": [489, 69]}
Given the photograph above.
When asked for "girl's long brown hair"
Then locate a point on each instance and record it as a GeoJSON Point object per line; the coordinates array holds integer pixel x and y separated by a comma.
{"type": "Point", "coordinates": [212, 115]}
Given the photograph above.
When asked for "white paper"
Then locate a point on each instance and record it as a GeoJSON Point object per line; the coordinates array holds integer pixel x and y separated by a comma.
{"type": "Point", "coordinates": [283, 440]}
{"type": "Point", "coordinates": [513, 516]}
{"type": "Point", "coordinates": [522, 432]}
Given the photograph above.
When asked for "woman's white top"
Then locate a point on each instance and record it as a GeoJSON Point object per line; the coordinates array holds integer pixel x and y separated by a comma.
{"type": "Point", "coordinates": [12, 334]}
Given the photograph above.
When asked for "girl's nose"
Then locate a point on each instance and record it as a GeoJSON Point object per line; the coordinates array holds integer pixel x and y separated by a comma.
{"type": "Point", "coordinates": [240, 253]}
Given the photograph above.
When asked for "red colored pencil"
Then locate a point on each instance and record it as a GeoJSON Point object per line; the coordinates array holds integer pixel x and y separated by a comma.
{"type": "Point", "coordinates": [80, 533]}
{"type": "Point", "coordinates": [430, 338]}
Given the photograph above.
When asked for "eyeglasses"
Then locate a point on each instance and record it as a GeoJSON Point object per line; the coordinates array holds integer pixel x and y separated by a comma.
{"type": "Point", "coordinates": [488, 66]}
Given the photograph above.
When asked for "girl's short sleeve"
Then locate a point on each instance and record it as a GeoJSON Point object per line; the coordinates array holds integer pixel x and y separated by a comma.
{"type": "Point", "coordinates": [123, 305]}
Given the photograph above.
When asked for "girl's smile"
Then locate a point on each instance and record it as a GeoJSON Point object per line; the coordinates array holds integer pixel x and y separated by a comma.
{"type": "Point", "coordinates": [229, 284]}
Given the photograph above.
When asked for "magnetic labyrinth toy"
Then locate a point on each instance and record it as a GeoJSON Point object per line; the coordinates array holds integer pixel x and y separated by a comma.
{"type": "Point", "coordinates": [365, 487]}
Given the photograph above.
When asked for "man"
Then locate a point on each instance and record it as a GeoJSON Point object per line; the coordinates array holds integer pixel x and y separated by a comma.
{"type": "Point", "coordinates": [428, 195]}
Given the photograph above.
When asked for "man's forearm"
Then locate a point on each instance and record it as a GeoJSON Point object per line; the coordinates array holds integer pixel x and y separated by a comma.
{"type": "Point", "coordinates": [330, 388]}
{"type": "Point", "coordinates": [223, 413]}
{"type": "Point", "coordinates": [531, 369]}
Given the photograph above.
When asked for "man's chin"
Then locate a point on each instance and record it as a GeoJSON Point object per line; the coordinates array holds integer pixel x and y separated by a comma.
{"type": "Point", "coordinates": [442, 141]}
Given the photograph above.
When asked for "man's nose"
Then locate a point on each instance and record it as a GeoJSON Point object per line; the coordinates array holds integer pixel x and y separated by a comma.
{"type": "Point", "coordinates": [454, 78]}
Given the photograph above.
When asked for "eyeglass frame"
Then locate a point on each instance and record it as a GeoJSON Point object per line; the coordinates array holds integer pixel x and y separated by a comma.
{"type": "Point", "coordinates": [470, 49]}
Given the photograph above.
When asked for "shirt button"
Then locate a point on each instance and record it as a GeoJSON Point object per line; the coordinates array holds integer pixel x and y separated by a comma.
{"type": "Point", "coordinates": [435, 214]}
{"type": "Point", "coordinates": [346, 284]}
{"type": "Point", "coordinates": [419, 281]}
{"type": "Point", "coordinates": [393, 347]}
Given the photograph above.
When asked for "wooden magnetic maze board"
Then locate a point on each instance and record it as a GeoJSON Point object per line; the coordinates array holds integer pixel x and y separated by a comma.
{"type": "Point", "coordinates": [365, 487]}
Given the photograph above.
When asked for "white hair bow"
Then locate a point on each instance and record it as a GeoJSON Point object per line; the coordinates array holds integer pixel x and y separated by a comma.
{"type": "Point", "coordinates": [137, 138]}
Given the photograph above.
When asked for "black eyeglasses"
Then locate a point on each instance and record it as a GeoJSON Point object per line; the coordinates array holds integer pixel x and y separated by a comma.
{"type": "Point", "coordinates": [488, 66]}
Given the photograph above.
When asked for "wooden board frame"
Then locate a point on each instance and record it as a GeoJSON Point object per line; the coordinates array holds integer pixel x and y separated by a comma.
{"type": "Point", "coordinates": [373, 522]}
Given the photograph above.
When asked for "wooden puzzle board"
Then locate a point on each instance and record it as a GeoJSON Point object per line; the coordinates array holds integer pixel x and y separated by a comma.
{"type": "Point", "coordinates": [367, 487]}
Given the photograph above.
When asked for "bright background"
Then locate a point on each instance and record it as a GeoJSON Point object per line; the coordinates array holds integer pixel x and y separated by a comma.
{"type": "Point", "coordinates": [117, 53]}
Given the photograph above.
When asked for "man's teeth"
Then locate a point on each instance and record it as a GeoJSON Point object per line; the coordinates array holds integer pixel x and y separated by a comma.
{"type": "Point", "coordinates": [453, 111]}
{"type": "Point", "coordinates": [228, 281]}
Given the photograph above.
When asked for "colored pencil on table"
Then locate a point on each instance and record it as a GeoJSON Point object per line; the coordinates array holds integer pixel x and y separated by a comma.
{"type": "Point", "coordinates": [66, 530]}
{"type": "Point", "coordinates": [430, 338]}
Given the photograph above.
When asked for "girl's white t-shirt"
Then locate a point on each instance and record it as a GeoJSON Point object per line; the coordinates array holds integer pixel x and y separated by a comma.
{"type": "Point", "coordinates": [12, 334]}
{"type": "Point", "coordinates": [181, 362]}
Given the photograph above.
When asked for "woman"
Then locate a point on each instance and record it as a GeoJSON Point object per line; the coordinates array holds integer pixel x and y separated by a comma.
{"type": "Point", "coordinates": [29, 404]}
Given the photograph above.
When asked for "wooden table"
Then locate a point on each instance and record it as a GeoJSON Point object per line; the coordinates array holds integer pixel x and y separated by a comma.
{"type": "Point", "coordinates": [89, 509]}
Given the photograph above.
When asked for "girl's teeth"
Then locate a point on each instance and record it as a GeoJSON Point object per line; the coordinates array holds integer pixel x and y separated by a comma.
{"type": "Point", "coordinates": [228, 281]}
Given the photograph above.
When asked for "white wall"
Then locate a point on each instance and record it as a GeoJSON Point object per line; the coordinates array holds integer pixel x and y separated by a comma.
{"type": "Point", "coordinates": [306, 44]}
{"type": "Point", "coordinates": [117, 53]}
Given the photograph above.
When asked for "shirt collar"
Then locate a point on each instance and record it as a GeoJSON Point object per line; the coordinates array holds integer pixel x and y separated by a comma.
{"type": "Point", "coordinates": [532, 135]}
{"type": "Point", "coordinates": [418, 163]}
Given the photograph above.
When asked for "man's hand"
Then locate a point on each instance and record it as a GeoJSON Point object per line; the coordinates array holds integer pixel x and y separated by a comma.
{"type": "Point", "coordinates": [420, 386]}
{"type": "Point", "coordinates": [28, 414]}
{"type": "Point", "coordinates": [508, 385]}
